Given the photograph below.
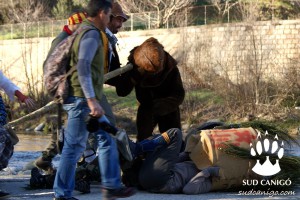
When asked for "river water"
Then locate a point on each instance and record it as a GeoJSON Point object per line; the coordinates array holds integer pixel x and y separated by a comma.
{"type": "Point", "coordinates": [31, 144]}
{"type": "Point", "coordinates": [27, 150]}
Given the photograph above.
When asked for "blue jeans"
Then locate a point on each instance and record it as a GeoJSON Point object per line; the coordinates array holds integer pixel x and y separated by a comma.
{"type": "Point", "coordinates": [74, 144]}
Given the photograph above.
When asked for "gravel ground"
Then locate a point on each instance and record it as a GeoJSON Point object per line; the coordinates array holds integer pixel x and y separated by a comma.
{"type": "Point", "coordinates": [17, 187]}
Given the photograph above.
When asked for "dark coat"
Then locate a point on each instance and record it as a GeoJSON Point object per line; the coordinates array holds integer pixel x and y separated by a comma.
{"type": "Point", "coordinates": [159, 96]}
{"type": "Point", "coordinates": [163, 92]}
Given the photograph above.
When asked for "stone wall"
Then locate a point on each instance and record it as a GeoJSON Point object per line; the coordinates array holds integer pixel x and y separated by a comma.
{"type": "Point", "coordinates": [242, 51]}
{"type": "Point", "coordinates": [237, 51]}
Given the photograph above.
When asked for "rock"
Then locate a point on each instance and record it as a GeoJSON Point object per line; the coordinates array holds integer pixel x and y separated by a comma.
{"type": "Point", "coordinates": [185, 126]}
{"type": "Point", "coordinates": [29, 165]}
{"type": "Point", "coordinates": [25, 172]}
{"type": "Point", "coordinates": [9, 171]}
{"type": "Point", "coordinates": [40, 127]}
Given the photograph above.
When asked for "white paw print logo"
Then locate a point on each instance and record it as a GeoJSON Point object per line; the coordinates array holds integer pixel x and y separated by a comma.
{"type": "Point", "coordinates": [269, 147]}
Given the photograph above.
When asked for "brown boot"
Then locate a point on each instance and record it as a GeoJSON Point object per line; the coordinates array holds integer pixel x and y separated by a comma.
{"type": "Point", "coordinates": [112, 194]}
{"type": "Point", "coordinates": [44, 163]}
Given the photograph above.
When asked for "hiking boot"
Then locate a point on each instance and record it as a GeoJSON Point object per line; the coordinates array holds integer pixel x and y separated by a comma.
{"type": "Point", "coordinates": [37, 180]}
{"type": "Point", "coordinates": [112, 194]}
{"type": "Point", "coordinates": [123, 145]}
{"type": "Point", "coordinates": [44, 163]}
{"type": "Point", "coordinates": [83, 186]}
{"type": "Point", "coordinates": [65, 198]}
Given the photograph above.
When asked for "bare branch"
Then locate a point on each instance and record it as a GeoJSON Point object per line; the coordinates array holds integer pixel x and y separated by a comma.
{"type": "Point", "coordinates": [164, 8]}
{"type": "Point", "coordinates": [24, 11]}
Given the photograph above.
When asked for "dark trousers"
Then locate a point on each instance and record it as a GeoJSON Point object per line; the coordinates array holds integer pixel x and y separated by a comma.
{"type": "Point", "coordinates": [146, 122]}
{"type": "Point", "coordinates": [157, 167]}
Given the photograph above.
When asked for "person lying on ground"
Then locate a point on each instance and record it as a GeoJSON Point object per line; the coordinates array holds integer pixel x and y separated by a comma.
{"type": "Point", "coordinates": [158, 166]}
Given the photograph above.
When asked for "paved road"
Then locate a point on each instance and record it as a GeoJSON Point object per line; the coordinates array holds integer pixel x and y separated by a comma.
{"type": "Point", "coordinates": [17, 187]}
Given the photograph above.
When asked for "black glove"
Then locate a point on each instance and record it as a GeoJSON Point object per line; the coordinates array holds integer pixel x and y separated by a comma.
{"type": "Point", "coordinates": [93, 125]}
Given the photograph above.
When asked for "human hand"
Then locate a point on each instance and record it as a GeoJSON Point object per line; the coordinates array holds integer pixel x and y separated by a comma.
{"type": "Point", "coordinates": [29, 103]}
{"type": "Point", "coordinates": [95, 107]}
{"type": "Point", "coordinates": [24, 99]}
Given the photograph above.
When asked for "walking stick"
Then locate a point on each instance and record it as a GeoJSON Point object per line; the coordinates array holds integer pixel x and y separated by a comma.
{"type": "Point", "coordinates": [51, 105]}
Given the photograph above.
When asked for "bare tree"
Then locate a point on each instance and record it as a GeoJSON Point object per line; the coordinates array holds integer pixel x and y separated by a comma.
{"type": "Point", "coordinates": [250, 10]}
{"type": "Point", "coordinates": [164, 8]}
{"type": "Point", "coordinates": [80, 2]}
{"type": "Point", "coordinates": [62, 9]}
{"type": "Point", "coordinates": [24, 11]}
{"type": "Point", "coordinates": [223, 7]}
{"type": "Point", "coordinates": [267, 9]}
{"type": "Point", "coordinates": [27, 13]}
{"type": "Point", "coordinates": [133, 6]}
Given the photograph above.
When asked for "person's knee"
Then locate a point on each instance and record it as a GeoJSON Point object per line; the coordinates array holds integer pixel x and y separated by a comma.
{"type": "Point", "coordinates": [175, 134]}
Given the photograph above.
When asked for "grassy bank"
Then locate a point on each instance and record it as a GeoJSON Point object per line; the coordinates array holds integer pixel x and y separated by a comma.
{"type": "Point", "coordinates": [199, 106]}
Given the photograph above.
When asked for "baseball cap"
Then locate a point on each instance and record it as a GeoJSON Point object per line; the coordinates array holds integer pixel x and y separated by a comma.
{"type": "Point", "coordinates": [117, 11]}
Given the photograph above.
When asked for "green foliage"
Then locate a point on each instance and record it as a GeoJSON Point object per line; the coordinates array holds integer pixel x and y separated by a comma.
{"type": "Point", "coordinates": [63, 9]}
{"type": "Point", "coordinates": [272, 128]}
{"type": "Point", "coordinates": [201, 2]}
{"type": "Point", "coordinates": [81, 3]}
{"type": "Point", "coordinates": [3, 18]}
{"type": "Point", "coordinates": [203, 95]}
{"type": "Point", "coordinates": [120, 102]}
{"type": "Point", "coordinates": [197, 103]}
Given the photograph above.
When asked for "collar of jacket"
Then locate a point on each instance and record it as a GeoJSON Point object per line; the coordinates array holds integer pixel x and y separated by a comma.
{"type": "Point", "coordinates": [111, 38]}
{"type": "Point", "coordinates": [67, 30]}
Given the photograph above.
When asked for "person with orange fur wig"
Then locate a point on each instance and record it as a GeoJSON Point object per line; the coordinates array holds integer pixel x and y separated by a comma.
{"type": "Point", "coordinates": [158, 87]}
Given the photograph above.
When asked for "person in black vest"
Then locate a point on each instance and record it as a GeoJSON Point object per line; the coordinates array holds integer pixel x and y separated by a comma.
{"type": "Point", "coordinates": [44, 162]}
{"type": "Point", "coordinates": [87, 170]}
{"type": "Point", "coordinates": [85, 92]}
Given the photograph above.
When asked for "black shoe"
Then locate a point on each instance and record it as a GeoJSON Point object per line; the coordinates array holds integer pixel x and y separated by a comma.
{"type": "Point", "coordinates": [3, 194]}
{"type": "Point", "coordinates": [49, 180]}
{"type": "Point", "coordinates": [83, 186]}
{"type": "Point", "coordinates": [112, 194]}
{"type": "Point", "coordinates": [37, 180]}
{"type": "Point", "coordinates": [64, 198]}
